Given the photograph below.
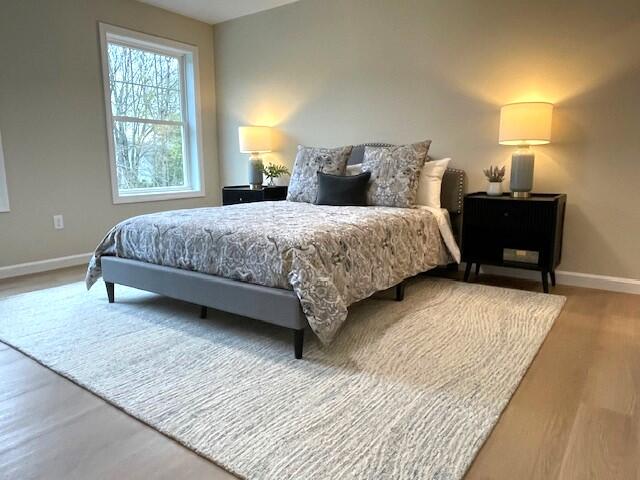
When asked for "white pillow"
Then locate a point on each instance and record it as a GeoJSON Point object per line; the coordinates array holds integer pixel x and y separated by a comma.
{"type": "Point", "coordinates": [355, 169]}
{"type": "Point", "coordinates": [430, 182]}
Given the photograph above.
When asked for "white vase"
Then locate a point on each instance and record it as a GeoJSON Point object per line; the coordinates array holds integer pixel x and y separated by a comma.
{"type": "Point", "coordinates": [494, 189]}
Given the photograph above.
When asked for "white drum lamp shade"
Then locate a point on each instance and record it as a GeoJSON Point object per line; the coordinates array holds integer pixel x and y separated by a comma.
{"type": "Point", "coordinates": [254, 139]}
{"type": "Point", "coordinates": [524, 124]}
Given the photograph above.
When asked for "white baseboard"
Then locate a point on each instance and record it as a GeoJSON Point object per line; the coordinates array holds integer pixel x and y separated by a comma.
{"type": "Point", "coordinates": [44, 265]}
{"type": "Point", "coordinates": [576, 279]}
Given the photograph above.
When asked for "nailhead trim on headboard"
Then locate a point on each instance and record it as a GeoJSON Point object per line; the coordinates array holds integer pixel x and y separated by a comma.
{"type": "Point", "coordinates": [460, 193]}
{"type": "Point", "coordinates": [375, 145]}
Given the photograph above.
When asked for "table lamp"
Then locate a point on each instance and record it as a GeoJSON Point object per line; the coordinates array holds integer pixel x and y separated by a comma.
{"type": "Point", "coordinates": [523, 125]}
{"type": "Point", "coordinates": [255, 140]}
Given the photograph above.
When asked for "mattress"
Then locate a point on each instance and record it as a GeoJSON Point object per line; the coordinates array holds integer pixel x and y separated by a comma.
{"type": "Point", "coordinates": [329, 256]}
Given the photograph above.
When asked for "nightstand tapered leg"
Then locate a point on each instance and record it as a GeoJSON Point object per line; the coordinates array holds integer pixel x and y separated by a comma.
{"type": "Point", "coordinates": [545, 282]}
{"type": "Point", "coordinates": [467, 271]}
{"type": "Point", "coordinates": [477, 269]}
{"type": "Point", "coordinates": [552, 274]}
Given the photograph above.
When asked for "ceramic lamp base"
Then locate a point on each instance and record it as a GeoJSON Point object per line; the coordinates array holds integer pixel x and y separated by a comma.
{"type": "Point", "coordinates": [255, 172]}
{"type": "Point", "coordinates": [522, 162]}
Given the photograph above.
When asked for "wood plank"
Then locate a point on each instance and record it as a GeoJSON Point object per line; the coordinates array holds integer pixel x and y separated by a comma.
{"type": "Point", "coordinates": [37, 281]}
{"type": "Point", "coordinates": [603, 444]}
{"type": "Point", "coordinates": [63, 405]}
{"type": "Point", "coordinates": [102, 442]}
{"type": "Point", "coordinates": [614, 374]}
{"type": "Point", "coordinates": [19, 374]}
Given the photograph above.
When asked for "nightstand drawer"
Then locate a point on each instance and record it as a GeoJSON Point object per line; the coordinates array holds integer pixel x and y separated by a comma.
{"type": "Point", "coordinates": [511, 215]}
{"type": "Point", "coordinates": [229, 197]}
{"type": "Point", "coordinates": [243, 194]}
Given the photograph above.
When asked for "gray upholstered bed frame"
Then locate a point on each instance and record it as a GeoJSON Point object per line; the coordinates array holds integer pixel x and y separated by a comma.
{"type": "Point", "coordinates": [273, 305]}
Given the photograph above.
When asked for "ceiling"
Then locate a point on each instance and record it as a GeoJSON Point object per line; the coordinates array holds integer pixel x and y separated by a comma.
{"type": "Point", "coordinates": [216, 11]}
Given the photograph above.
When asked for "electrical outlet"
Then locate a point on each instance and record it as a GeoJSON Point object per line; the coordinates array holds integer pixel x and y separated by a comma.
{"type": "Point", "coordinates": [58, 222]}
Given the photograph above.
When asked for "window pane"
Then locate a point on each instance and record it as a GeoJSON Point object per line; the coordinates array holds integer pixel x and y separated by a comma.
{"type": "Point", "coordinates": [148, 155]}
{"type": "Point", "coordinates": [144, 84]}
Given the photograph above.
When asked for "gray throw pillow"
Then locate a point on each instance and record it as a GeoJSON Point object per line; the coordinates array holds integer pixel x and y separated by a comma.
{"type": "Point", "coordinates": [303, 186]}
{"type": "Point", "coordinates": [395, 172]}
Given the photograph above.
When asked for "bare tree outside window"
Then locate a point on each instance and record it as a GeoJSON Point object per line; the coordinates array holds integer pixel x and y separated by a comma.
{"type": "Point", "coordinates": [148, 119]}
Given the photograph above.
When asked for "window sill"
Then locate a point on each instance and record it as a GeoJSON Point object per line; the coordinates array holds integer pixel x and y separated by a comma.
{"type": "Point", "coordinates": [156, 197]}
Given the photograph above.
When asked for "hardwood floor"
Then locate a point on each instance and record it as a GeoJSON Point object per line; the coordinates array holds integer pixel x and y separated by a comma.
{"type": "Point", "coordinates": [576, 414]}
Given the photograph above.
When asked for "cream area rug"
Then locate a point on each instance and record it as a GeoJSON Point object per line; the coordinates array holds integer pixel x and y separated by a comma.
{"type": "Point", "coordinates": [407, 390]}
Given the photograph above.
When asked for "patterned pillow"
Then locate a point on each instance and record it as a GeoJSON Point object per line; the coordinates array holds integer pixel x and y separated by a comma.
{"type": "Point", "coordinates": [303, 186]}
{"type": "Point", "coordinates": [395, 172]}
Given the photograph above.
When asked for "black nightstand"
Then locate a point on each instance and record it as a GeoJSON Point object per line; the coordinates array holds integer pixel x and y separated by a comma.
{"type": "Point", "coordinates": [514, 232]}
{"type": "Point", "coordinates": [243, 194]}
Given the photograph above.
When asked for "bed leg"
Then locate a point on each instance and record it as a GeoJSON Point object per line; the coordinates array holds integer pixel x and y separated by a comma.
{"type": "Point", "coordinates": [110, 291]}
{"type": "Point", "coordinates": [298, 341]}
{"type": "Point", "coordinates": [400, 292]}
{"type": "Point", "coordinates": [203, 312]}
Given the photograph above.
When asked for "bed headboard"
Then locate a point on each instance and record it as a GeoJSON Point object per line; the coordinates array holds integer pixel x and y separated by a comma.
{"type": "Point", "coordinates": [453, 182]}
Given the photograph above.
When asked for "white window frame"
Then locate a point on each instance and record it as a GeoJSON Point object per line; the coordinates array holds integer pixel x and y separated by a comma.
{"type": "Point", "coordinates": [4, 191]}
{"type": "Point", "coordinates": [192, 137]}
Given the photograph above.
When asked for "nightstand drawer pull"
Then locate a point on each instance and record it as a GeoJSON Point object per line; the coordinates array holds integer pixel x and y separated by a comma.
{"type": "Point", "coordinates": [241, 199]}
{"type": "Point", "coordinates": [523, 256]}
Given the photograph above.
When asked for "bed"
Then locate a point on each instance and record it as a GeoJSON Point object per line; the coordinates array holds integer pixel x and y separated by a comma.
{"type": "Point", "coordinates": [292, 264]}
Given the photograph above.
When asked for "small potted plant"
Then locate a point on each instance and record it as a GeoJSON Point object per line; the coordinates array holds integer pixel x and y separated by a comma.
{"type": "Point", "coordinates": [273, 171]}
{"type": "Point", "coordinates": [495, 175]}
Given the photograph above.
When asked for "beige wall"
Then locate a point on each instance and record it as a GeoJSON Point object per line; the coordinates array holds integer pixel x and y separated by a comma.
{"type": "Point", "coordinates": [332, 72]}
{"type": "Point", "coordinates": [52, 121]}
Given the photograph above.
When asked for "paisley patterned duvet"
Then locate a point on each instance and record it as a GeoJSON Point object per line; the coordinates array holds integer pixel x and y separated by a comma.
{"type": "Point", "coordinates": [330, 256]}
